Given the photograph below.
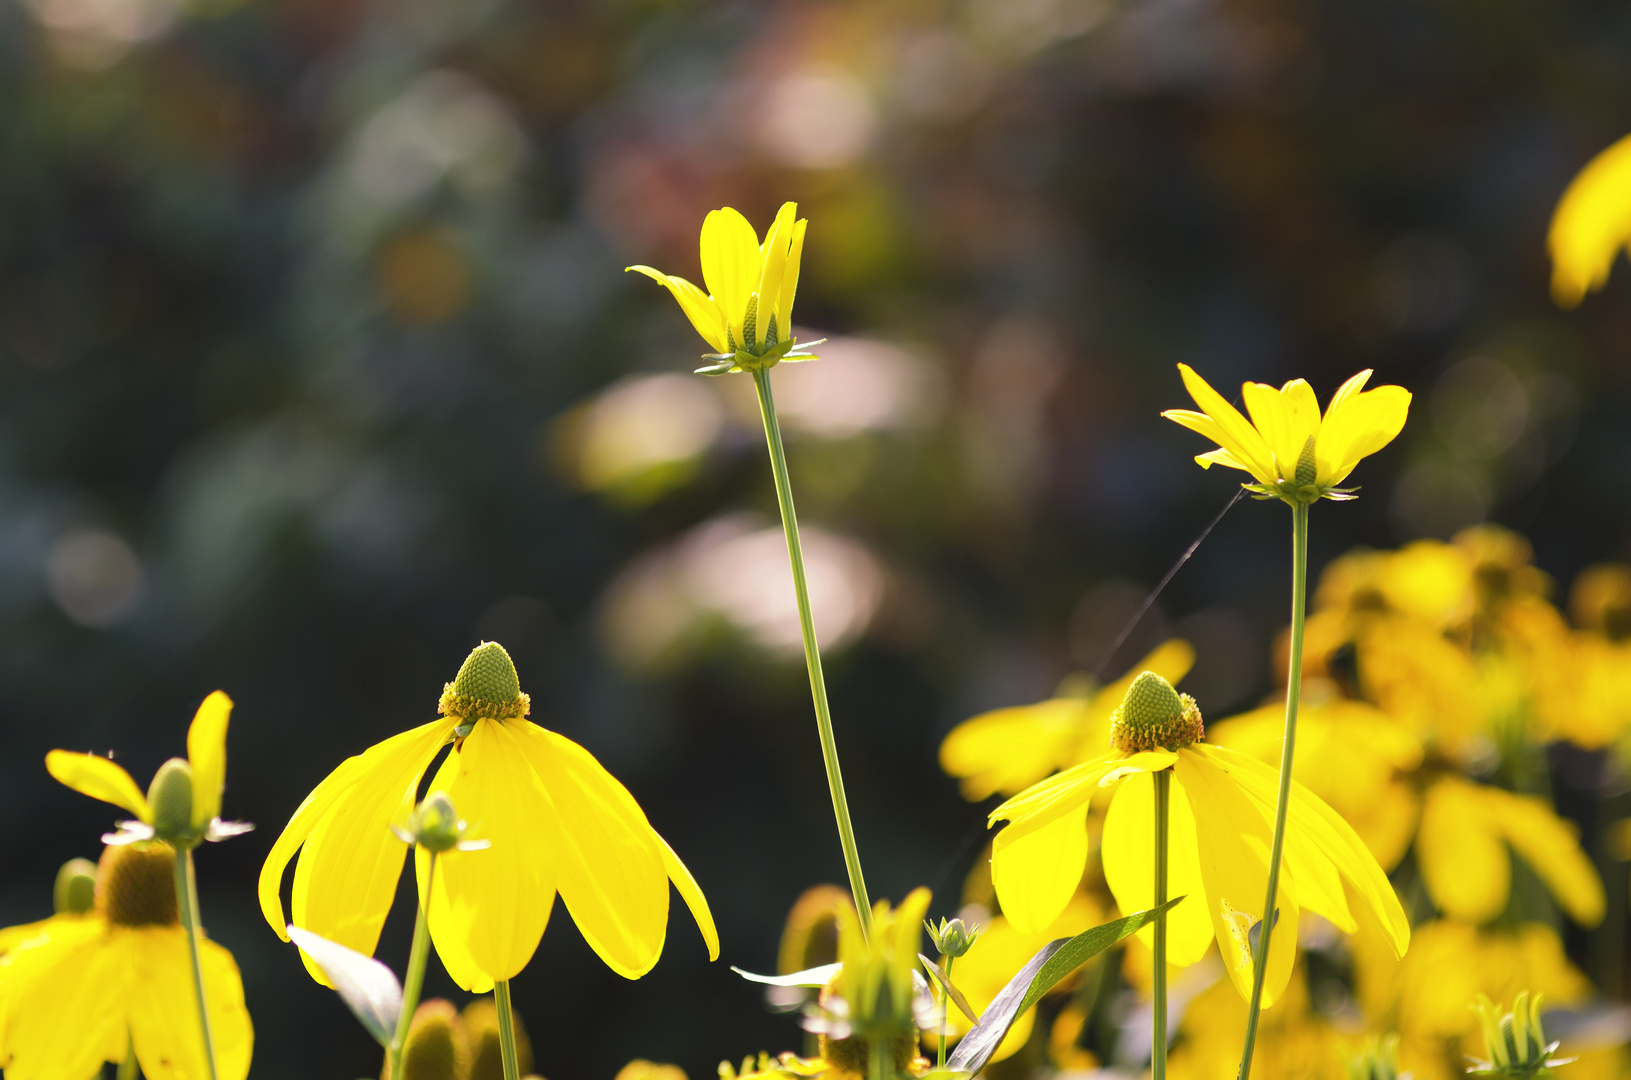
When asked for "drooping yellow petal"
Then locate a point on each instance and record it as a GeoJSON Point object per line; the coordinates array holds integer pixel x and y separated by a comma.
{"type": "Point", "coordinates": [1128, 849]}
{"type": "Point", "coordinates": [697, 305]}
{"type": "Point", "coordinates": [1458, 846]}
{"type": "Point", "coordinates": [164, 1017]}
{"type": "Point", "coordinates": [1285, 418]}
{"type": "Point", "coordinates": [1549, 844]}
{"type": "Point", "coordinates": [730, 263]}
{"type": "Point", "coordinates": [449, 938]}
{"type": "Point", "coordinates": [691, 893]}
{"type": "Point", "coordinates": [492, 905]}
{"type": "Point", "coordinates": [1591, 224]}
{"type": "Point", "coordinates": [611, 875]}
{"type": "Point", "coordinates": [1358, 427]}
{"type": "Point", "coordinates": [63, 1001]}
{"type": "Point", "coordinates": [1035, 874]}
{"type": "Point", "coordinates": [207, 754]}
{"type": "Point", "coordinates": [1201, 424]}
{"type": "Point", "coordinates": [1232, 840]}
{"type": "Point", "coordinates": [790, 281]}
{"type": "Point", "coordinates": [1238, 436]}
{"type": "Point", "coordinates": [1059, 794]}
{"type": "Point", "coordinates": [306, 818]}
{"type": "Point", "coordinates": [1006, 749]}
{"type": "Point", "coordinates": [99, 778]}
{"type": "Point", "coordinates": [347, 873]}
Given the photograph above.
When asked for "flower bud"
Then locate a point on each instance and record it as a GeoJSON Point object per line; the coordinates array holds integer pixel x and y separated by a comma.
{"type": "Point", "coordinates": [641, 1069]}
{"type": "Point", "coordinates": [1378, 1059]}
{"type": "Point", "coordinates": [136, 884]}
{"type": "Point", "coordinates": [486, 1056]}
{"type": "Point", "coordinates": [170, 796]}
{"type": "Point", "coordinates": [486, 687]}
{"type": "Point", "coordinates": [953, 937]}
{"type": "Point", "coordinates": [1155, 716]}
{"type": "Point", "coordinates": [435, 825]}
{"type": "Point", "coordinates": [1514, 1041]}
{"type": "Point", "coordinates": [437, 1048]}
{"type": "Point", "coordinates": [75, 891]}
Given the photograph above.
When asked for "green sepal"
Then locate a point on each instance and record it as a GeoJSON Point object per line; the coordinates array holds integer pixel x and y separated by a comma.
{"type": "Point", "coordinates": [745, 360]}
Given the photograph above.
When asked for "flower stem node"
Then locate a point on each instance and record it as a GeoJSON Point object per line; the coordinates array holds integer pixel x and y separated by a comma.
{"type": "Point", "coordinates": [1514, 1041]}
{"type": "Point", "coordinates": [136, 884]}
{"type": "Point", "coordinates": [170, 797]}
{"type": "Point", "coordinates": [75, 891]}
{"type": "Point", "coordinates": [486, 688]}
{"type": "Point", "coordinates": [1153, 715]}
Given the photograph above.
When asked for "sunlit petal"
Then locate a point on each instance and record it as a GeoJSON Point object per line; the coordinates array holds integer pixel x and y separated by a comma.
{"type": "Point", "coordinates": [790, 281]}
{"type": "Point", "coordinates": [1239, 437]}
{"type": "Point", "coordinates": [773, 269]}
{"type": "Point", "coordinates": [1458, 846]}
{"type": "Point", "coordinates": [1128, 849]}
{"type": "Point", "coordinates": [62, 1004]}
{"type": "Point", "coordinates": [730, 262]}
{"type": "Point", "coordinates": [1360, 426]}
{"type": "Point", "coordinates": [1274, 417]}
{"type": "Point", "coordinates": [100, 779]}
{"type": "Point", "coordinates": [691, 893]}
{"type": "Point", "coordinates": [1036, 873]}
{"type": "Point", "coordinates": [697, 305]}
{"type": "Point", "coordinates": [1549, 844]}
{"type": "Point", "coordinates": [1591, 224]}
{"type": "Point", "coordinates": [1045, 802]}
{"type": "Point", "coordinates": [1007, 749]}
{"type": "Point", "coordinates": [207, 755]}
{"type": "Point", "coordinates": [163, 1019]}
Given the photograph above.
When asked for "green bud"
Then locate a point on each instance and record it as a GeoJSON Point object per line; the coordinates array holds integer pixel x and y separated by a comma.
{"type": "Point", "coordinates": [953, 937]}
{"type": "Point", "coordinates": [1153, 715]}
{"type": "Point", "coordinates": [1514, 1041]}
{"type": "Point", "coordinates": [1307, 467]}
{"type": "Point", "coordinates": [437, 1048]}
{"type": "Point", "coordinates": [170, 796]}
{"type": "Point", "coordinates": [1378, 1059]}
{"type": "Point", "coordinates": [486, 687]}
{"type": "Point", "coordinates": [435, 825]}
{"type": "Point", "coordinates": [486, 1057]}
{"type": "Point", "coordinates": [75, 891]}
{"type": "Point", "coordinates": [136, 884]}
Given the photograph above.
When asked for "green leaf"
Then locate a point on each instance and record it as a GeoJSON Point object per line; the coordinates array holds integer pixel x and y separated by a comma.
{"type": "Point", "coordinates": [367, 986]}
{"type": "Point", "coordinates": [1042, 973]}
{"type": "Point", "coordinates": [945, 984]}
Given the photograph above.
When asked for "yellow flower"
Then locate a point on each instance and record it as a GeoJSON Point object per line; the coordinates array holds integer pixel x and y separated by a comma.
{"type": "Point", "coordinates": [83, 989]}
{"type": "Point", "coordinates": [877, 975]}
{"type": "Point", "coordinates": [1293, 453]}
{"type": "Point", "coordinates": [206, 763]}
{"type": "Point", "coordinates": [1005, 750]}
{"type": "Point", "coordinates": [1591, 224]}
{"type": "Point", "coordinates": [1221, 818]}
{"type": "Point", "coordinates": [747, 313]}
{"type": "Point", "coordinates": [556, 819]}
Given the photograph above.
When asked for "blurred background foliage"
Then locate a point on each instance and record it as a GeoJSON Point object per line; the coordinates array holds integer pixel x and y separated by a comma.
{"type": "Point", "coordinates": [318, 366]}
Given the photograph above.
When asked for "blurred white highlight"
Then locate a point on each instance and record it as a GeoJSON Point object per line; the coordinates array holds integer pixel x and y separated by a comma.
{"type": "Point", "coordinates": [95, 578]}
{"type": "Point", "coordinates": [818, 117]}
{"type": "Point", "coordinates": [94, 34]}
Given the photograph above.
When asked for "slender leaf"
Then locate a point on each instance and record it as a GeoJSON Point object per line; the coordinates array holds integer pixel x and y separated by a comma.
{"type": "Point", "coordinates": [367, 986]}
{"type": "Point", "coordinates": [955, 994]}
{"type": "Point", "coordinates": [1042, 973]}
{"type": "Point", "coordinates": [816, 976]}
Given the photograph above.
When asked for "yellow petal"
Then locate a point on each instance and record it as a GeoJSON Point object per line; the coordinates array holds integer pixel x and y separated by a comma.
{"type": "Point", "coordinates": [448, 936]}
{"type": "Point", "coordinates": [773, 268]}
{"type": "Point", "coordinates": [1286, 418]}
{"type": "Point", "coordinates": [697, 305]}
{"type": "Point", "coordinates": [1358, 427]}
{"type": "Point", "coordinates": [1036, 873]}
{"type": "Point", "coordinates": [1049, 799]}
{"type": "Point", "coordinates": [691, 893]}
{"type": "Point", "coordinates": [1549, 845]}
{"type": "Point", "coordinates": [1006, 749]}
{"type": "Point", "coordinates": [1232, 840]}
{"type": "Point", "coordinates": [15, 937]}
{"type": "Point", "coordinates": [1349, 389]}
{"type": "Point", "coordinates": [1591, 224]}
{"type": "Point", "coordinates": [1202, 424]}
{"type": "Point", "coordinates": [1458, 846]}
{"type": "Point", "coordinates": [1237, 436]}
{"type": "Point", "coordinates": [612, 876]}
{"type": "Point", "coordinates": [100, 779]}
{"type": "Point", "coordinates": [790, 280]}
{"type": "Point", "coordinates": [207, 755]}
{"type": "Point", "coordinates": [730, 263]}
{"type": "Point", "coordinates": [311, 811]}
{"type": "Point", "coordinates": [1128, 849]}
{"type": "Point", "coordinates": [164, 1017]}
{"type": "Point", "coordinates": [63, 1003]}
{"type": "Point", "coordinates": [348, 870]}
{"type": "Point", "coordinates": [493, 905]}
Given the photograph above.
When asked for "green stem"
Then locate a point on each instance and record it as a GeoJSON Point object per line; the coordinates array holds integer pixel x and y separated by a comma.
{"type": "Point", "coordinates": [945, 1009]}
{"type": "Point", "coordinates": [418, 954]}
{"type": "Point", "coordinates": [187, 903]}
{"type": "Point", "coordinates": [1294, 685]}
{"type": "Point", "coordinates": [883, 1063]}
{"type": "Point", "coordinates": [506, 1029]}
{"type": "Point", "coordinates": [1158, 1038]}
{"type": "Point", "coordinates": [127, 1067]}
{"type": "Point", "coordinates": [812, 653]}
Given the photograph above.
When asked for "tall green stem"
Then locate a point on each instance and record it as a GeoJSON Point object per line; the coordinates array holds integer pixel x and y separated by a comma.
{"type": "Point", "coordinates": [187, 903]}
{"type": "Point", "coordinates": [127, 1067]}
{"type": "Point", "coordinates": [883, 1060]}
{"type": "Point", "coordinates": [1158, 1039]}
{"type": "Point", "coordinates": [506, 1029]}
{"type": "Point", "coordinates": [945, 1009]}
{"type": "Point", "coordinates": [418, 954]}
{"type": "Point", "coordinates": [812, 653]}
{"type": "Point", "coordinates": [1294, 685]}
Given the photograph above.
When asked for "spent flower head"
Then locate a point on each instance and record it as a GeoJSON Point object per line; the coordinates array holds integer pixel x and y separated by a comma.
{"type": "Point", "coordinates": [1514, 1042]}
{"type": "Point", "coordinates": [1293, 452]}
{"type": "Point", "coordinates": [182, 806]}
{"type": "Point", "coordinates": [747, 313]}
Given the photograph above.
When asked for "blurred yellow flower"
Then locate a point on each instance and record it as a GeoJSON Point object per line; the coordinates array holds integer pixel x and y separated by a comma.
{"type": "Point", "coordinates": [83, 990]}
{"type": "Point", "coordinates": [1291, 451]}
{"type": "Point", "coordinates": [747, 313]}
{"type": "Point", "coordinates": [877, 974]}
{"type": "Point", "coordinates": [1295, 1042]}
{"type": "Point", "coordinates": [1591, 224]}
{"type": "Point", "coordinates": [1004, 750]}
{"type": "Point", "coordinates": [101, 779]}
{"type": "Point", "coordinates": [556, 820]}
{"type": "Point", "coordinates": [1221, 816]}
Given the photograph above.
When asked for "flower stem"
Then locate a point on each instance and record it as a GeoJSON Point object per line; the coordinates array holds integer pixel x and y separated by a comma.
{"type": "Point", "coordinates": [506, 1029]}
{"type": "Point", "coordinates": [812, 653]}
{"type": "Point", "coordinates": [127, 1067]}
{"type": "Point", "coordinates": [945, 1010]}
{"type": "Point", "coordinates": [1158, 1037]}
{"type": "Point", "coordinates": [883, 1061]}
{"type": "Point", "coordinates": [1294, 685]}
{"type": "Point", "coordinates": [418, 954]}
{"type": "Point", "coordinates": [187, 903]}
